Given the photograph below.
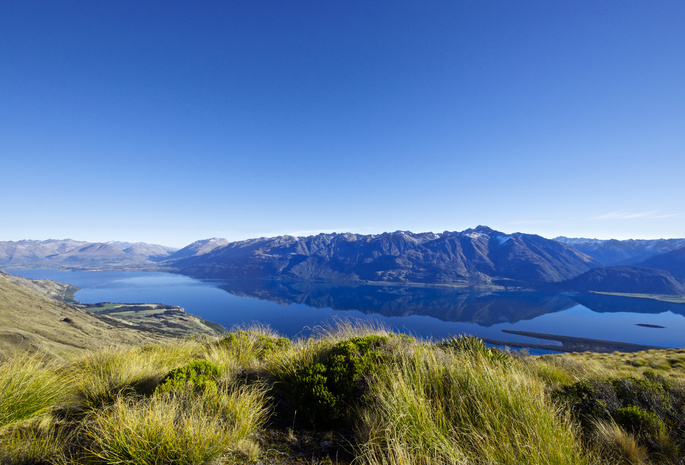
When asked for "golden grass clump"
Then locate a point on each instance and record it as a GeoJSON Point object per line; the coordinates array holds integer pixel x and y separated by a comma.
{"type": "Point", "coordinates": [178, 427]}
{"type": "Point", "coordinates": [465, 409]}
{"type": "Point", "coordinates": [108, 374]}
{"type": "Point", "coordinates": [618, 446]}
{"type": "Point", "coordinates": [39, 440]}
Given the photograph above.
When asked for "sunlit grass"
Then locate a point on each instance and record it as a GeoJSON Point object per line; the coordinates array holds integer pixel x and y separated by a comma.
{"type": "Point", "coordinates": [667, 362]}
{"type": "Point", "coordinates": [177, 427]}
{"type": "Point", "coordinates": [408, 401]}
{"type": "Point", "coordinates": [106, 375]}
{"type": "Point", "coordinates": [444, 409]}
{"type": "Point", "coordinates": [30, 385]}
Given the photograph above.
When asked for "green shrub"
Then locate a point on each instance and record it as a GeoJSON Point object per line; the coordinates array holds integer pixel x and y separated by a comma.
{"type": "Point", "coordinates": [259, 345]}
{"type": "Point", "coordinates": [198, 375]}
{"type": "Point", "coordinates": [322, 388]}
{"type": "Point", "coordinates": [473, 346]}
{"type": "Point", "coordinates": [652, 408]}
{"type": "Point", "coordinates": [639, 421]}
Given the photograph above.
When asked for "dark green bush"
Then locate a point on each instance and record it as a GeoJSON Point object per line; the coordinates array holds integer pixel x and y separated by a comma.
{"type": "Point", "coordinates": [653, 408]}
{"type": "Point", "coordinates": [322, 391]}
{"type": "Point", "coordinates": [198, 375]}
{"type": "Point", "coordinates": [639, 421]}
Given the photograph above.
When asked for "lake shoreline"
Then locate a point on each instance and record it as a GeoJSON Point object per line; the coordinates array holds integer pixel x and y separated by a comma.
{"type": "Point", "coordinates": [571, 344]}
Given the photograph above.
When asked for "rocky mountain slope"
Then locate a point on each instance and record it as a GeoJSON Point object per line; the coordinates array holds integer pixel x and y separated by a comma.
{"type": "Point", "coordinates": [625, 280]}
{"type": "Point", "coordinates": [479, 256]}
{"type": "Point", "coordinates": [475, 257]}
{"type": "Point", "coordinates": [197, 248]}
{"type": "Point", "coordinates": [673, 262]}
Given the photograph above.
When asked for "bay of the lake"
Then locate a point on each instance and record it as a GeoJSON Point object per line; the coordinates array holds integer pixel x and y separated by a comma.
{"type": "Point", "coordinates": [294, 309]}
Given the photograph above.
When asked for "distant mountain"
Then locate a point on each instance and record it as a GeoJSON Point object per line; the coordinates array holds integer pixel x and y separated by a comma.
{"type": "Point", "coordinates": [673, 262]}
{"type": "Point", "coordinates": [197, 248]}
{"type": "Point", "coordinates": [613, 252]}
{"type": "Point", "coordinates": [624, 279]}
{"type": "Point", "coordinates": [479, 256]}
{"type": "Point", "coordinates": [70, 254]}
{"type": "Point", "coordinates": [152, 252]}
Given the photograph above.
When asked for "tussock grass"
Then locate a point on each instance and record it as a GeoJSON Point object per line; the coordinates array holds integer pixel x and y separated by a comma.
{"type": "Point", "coordinates": [446, 409]}
{"type": "Point", "coordinates": [37, 441]}
{"type": "Point", "coordinates": [109, 374]}
{"type": "Point", "coordinates": [176, 427]}
{"type": "Point", "coordinates": [618, 446]}
{"type": "Point", "coordinates": [30, 385]}
{"type": "Point", "coordinates": [253, 348]}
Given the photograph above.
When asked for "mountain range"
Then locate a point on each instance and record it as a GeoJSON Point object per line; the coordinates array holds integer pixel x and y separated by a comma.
{"type": "Point", "coordinates": [75, 255]}
{"type": "Point", "coordinates": [478, 257]}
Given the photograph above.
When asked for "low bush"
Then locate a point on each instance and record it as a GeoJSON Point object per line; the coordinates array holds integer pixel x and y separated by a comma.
{"type": "Point", "coordinates": [473, 346]}
{"type": "Point", "coordinates": [255, 343]}
{"type": "Point", "coordinates": [198, 375]}
{"type": "Point", "coordinates": [322, 386]}
{"type": "Point", "coordinates": [652, 409]}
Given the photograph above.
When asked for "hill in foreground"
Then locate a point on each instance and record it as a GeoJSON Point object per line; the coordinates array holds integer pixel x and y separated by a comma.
{"type": "Point", "coordinates": [348, 395]}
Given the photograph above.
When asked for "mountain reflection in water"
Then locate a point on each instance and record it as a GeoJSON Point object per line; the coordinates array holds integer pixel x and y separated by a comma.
{"type": "Point", "coordinates": [485, 308]}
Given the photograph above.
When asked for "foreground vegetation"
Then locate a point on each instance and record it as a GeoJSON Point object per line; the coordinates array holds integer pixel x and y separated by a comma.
{"type": "Point", "coordinates": [351, 394]}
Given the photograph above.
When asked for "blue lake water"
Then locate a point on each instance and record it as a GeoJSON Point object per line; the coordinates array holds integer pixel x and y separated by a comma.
{"type": "Point", "coordinates": [295, 308]}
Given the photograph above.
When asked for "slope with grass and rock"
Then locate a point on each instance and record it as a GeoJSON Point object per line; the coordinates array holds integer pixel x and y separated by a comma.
{"type": "Point", "coordinates": [32, 319]}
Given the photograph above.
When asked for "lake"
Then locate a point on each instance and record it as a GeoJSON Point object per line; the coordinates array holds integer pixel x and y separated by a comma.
{"type": "Point", "coordinates": [294, 308]}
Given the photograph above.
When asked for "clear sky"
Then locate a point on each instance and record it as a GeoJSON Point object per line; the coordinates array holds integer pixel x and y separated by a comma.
{"type": "Point", "coordinates": [172, 121]}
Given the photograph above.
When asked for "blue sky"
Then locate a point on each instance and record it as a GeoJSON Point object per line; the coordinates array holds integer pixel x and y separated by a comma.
{"type": "Point", "coordinates": [169, 122]}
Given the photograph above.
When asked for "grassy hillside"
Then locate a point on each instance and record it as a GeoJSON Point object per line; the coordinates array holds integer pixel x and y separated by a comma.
{"type": "Point", "coordinates": [31, 320]}
{"type": "Point", "coordinates": [348, 395]}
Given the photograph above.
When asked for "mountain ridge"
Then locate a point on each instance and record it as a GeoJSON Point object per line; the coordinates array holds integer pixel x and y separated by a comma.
{"type": "Point", "coordinates": [478, 256]}
{"type": "Point", "coordinates": [474, 257]}
{"type": "Point", "coordinates": [625, 280]}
